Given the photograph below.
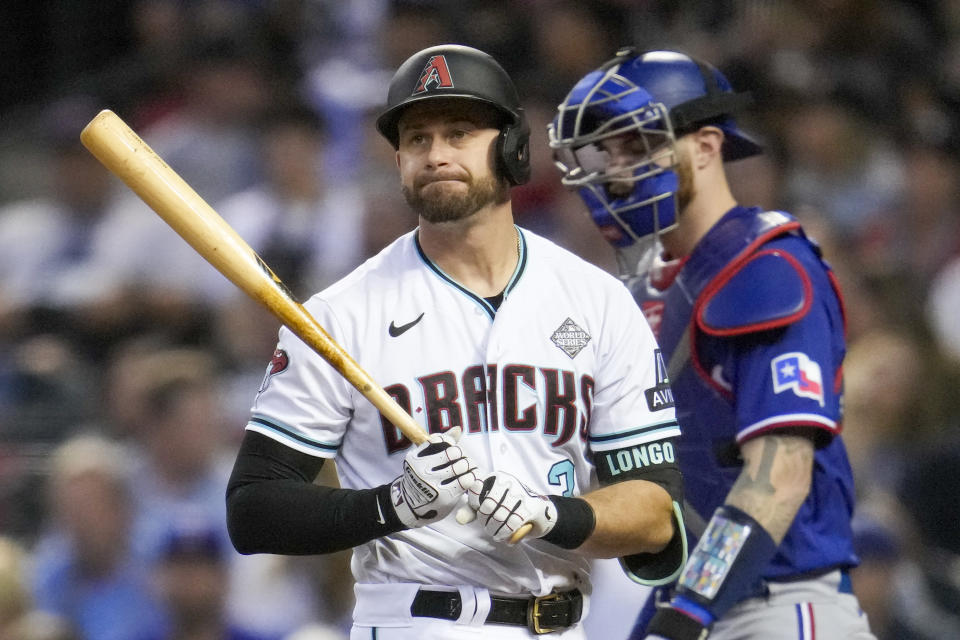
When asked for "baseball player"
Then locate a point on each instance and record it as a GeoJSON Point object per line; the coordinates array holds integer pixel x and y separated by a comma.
{"type": "Point", "coordinates": [751, 325]}
{"type": "Point", "coordinates": [543, 390]}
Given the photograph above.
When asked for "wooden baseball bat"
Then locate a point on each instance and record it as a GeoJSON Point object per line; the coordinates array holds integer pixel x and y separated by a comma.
{"type": "Point", "coordinates": [128, 157]}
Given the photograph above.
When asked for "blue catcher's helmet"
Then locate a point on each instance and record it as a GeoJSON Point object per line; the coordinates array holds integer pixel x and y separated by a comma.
{"type": "Point", "coordinates": [659, 96]}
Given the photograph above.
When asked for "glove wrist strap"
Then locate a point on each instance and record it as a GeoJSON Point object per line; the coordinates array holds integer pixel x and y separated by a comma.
{"type": "Point", "coordinates": [387, 513]}
{"type": "Point", "coordinates": [575, 522]}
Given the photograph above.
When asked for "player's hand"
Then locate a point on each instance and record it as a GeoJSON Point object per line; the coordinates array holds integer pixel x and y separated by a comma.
{"type": "Point", "coordinates": [503, 504]}
{"type": "Point", "coordinates": [435, 476]}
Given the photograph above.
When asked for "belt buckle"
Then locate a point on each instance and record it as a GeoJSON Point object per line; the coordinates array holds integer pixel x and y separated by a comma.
{"type": "Point", "coordinates": [533, 614]}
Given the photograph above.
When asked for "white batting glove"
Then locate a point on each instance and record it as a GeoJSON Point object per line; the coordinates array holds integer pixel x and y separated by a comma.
{"type": "Point", "coordinates": [503, 504]}
{"type": "Point", "coordinates": [435, 476]}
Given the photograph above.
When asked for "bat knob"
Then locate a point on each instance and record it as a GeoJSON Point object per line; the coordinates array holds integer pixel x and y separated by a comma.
{"type": "Point", "coordinates": [466, 515]}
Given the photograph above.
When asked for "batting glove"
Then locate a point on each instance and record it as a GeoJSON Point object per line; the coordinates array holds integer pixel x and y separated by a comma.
{"type": "Point", "coordinates": [435, 476]}
{"type": "Point", "coordinates": [503, 504]}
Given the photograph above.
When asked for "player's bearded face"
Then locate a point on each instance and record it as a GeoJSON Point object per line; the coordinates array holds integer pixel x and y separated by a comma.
{"type": "Point", "coordinates": [443, 198]}
{"type": "Point", "coordinates": [446, 159]}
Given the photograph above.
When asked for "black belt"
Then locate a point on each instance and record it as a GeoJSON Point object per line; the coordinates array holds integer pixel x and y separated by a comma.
{"type": "Point", "coordinates": [542, 614]}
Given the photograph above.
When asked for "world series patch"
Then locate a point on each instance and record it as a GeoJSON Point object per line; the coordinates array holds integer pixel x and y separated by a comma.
{"type": "Point", "coordinates": [570, 338]}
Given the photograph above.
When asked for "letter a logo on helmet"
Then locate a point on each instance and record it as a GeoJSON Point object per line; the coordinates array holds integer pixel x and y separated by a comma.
{"type": "Point", "coordinates": [436, 74]}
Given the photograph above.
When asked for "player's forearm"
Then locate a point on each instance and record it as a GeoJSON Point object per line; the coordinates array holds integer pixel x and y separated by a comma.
{"type": "Point", "coordinates": [274, 507]}
{"type": "Point", "coordinates": [632, 517]}
{"type": "Point", "coordinates": [774, 482]}
{"type": "Point", "coordinates": [758, 512]}
{"type": "Point", "coordinates": [296, 518]}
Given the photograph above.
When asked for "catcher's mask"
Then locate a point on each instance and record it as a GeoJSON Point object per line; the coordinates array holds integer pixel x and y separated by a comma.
{"type": "Point", "coordinates": [650, 99]}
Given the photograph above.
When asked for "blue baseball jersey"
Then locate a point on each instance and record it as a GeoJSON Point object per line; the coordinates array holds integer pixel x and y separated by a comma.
{"type": "Point", "coordinates": [751, 325]}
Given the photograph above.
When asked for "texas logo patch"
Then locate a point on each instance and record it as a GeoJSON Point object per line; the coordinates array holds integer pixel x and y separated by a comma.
{"type": "Point", "coordinates": [795, 371]}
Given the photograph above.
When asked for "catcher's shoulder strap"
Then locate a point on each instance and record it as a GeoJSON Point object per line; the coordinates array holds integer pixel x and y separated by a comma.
{"type": "Point", "coordinates": [768, 289]}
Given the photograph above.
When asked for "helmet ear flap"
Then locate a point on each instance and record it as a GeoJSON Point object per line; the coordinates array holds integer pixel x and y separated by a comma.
{"type": "Point", "coordinates": [513, 152]}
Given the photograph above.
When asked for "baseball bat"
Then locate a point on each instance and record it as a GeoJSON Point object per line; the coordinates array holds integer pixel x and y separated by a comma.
{"type": "Point", "coordinates": [128, 157]}
{"type": "Point", "coordinates": [122, 151]}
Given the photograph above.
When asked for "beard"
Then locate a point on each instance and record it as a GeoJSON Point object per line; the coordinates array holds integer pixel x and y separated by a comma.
{"type": "Point", "coordinates": [445, 204]}
{"type": "Point", "coordinates": [685, 189]}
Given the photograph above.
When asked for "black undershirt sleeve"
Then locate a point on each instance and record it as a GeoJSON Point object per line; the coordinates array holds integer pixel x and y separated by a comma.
{"type": "Point", "coordinates": [274, 507]}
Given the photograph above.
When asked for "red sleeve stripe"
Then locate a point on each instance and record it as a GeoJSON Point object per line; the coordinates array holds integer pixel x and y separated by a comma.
{"type": "Point", "coordinates": [788, 420]}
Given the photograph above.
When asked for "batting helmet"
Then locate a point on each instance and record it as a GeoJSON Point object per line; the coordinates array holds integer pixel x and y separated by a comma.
{"type": "Point", "coordinates": [457, 71]}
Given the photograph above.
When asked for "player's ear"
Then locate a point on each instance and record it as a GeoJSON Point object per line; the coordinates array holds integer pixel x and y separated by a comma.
{"type": "Point", "coordinates": [707, 146]}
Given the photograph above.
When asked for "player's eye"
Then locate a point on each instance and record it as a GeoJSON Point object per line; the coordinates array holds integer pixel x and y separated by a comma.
{"type": "Point", "coordinates": [635, 146]}
{"type": "Point", "coordinates": [414, 139]}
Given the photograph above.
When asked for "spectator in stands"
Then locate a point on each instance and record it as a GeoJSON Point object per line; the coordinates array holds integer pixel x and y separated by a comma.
{"type": "Point", "coordinates": [181, 468]}
{"type": "Point", "coordinates": [307, 228]}
{"type": "Point", "coordinates": [83, 570]}
{"type": "Point", "coordinates": [192, 574]}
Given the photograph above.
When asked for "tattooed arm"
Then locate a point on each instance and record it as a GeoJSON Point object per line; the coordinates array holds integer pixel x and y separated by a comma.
{"type": "Point", "coordinates": [775, 480]}
{"type": "Point", "coordinates": [759, 510]}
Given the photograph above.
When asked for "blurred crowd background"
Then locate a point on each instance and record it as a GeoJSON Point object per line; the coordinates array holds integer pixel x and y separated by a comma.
{"type": "Point", "coordinates": [128, 365]}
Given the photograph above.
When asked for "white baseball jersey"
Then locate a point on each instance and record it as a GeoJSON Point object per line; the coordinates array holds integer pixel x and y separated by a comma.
{"type": "Point", "coordinates": [561, 369]}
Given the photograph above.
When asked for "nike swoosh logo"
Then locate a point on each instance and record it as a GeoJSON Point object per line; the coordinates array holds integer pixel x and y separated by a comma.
{"type": "Point", "coordinates": [380, 517]}
{"type": "Point", "coordinates": [395, 331]}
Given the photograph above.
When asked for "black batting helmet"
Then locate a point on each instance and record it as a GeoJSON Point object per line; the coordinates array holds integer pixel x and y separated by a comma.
{"type": "Point", "coordinates": [457, 71]}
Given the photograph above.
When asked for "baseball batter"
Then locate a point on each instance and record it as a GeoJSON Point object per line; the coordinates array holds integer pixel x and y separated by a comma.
{"type": "Point", "coordinates": [751, 324]}
{"type": "Point", "coordinates": [543, 388]}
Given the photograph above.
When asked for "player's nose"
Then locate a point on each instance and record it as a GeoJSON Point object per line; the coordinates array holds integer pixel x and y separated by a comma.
{"type": "Point", "coordinates": [619, 188]}
{"type": "Point", "coordinates": [438, 153]}
{"type": "Point", "coordinates": [619, 170]}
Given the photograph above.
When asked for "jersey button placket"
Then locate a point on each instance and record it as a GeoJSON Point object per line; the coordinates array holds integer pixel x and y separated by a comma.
{"type": "Point", "coordinates": [495, 432]}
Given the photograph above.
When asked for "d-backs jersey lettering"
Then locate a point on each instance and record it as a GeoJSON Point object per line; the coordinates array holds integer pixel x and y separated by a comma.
{"type": "Point", "coordinates": [566, 367]}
